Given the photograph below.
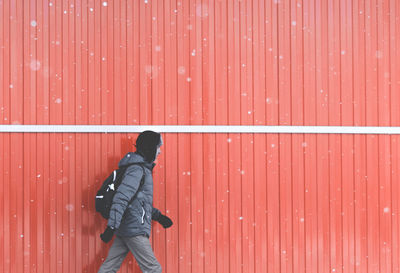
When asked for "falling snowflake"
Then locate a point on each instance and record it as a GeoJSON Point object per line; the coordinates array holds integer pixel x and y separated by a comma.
{"type": "Point", "coordinates": [202, 10]}
{"type": "Point", "coordinates": [35, 65]}
{"type": "Point", "coordinates": [69, 207]}
{"type": "Point", "coordinates": [181, 70]}
{"type": "Point", "coordinates": [386, 210]}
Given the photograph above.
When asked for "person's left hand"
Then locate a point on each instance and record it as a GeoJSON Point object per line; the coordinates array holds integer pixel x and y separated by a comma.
{"type": "Point", "coordinates": [165, 221]}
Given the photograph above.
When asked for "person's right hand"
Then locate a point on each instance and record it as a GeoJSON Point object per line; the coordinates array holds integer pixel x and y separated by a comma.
{"type": "Point", "coordinates": [107, 235]}
{"type": "Point", "coordinates": [165, 221]}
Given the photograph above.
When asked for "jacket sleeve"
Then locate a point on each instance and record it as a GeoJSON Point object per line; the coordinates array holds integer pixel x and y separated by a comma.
{"type": "Point", "coordinates": [125, 192]}
{"type": "Point", "coordinates": [155, 214]}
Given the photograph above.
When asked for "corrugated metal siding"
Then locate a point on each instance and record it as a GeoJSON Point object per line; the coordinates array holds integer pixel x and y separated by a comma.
{"type": "Point", "coordinates": [240, 202]}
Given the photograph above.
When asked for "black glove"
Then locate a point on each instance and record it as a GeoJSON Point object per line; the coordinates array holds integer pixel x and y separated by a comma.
{"type": "Point", "coordinates": [107, 235]}
{"type": "Point", "coordinates": [165, 221]}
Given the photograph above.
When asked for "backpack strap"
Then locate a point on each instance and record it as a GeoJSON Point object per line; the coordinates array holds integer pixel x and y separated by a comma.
{"type": "Point", "coordinates": [141, 182]}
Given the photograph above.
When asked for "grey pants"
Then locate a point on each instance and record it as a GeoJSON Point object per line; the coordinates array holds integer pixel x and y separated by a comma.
{"type": "Point", "coordinates": [141, 250]}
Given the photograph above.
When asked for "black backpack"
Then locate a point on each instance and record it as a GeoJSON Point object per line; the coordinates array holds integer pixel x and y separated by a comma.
{"type": "Point", "coordinates": [105, 194]}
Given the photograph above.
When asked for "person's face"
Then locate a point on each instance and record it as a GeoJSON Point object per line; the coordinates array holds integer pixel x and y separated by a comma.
{"type": "Point", "coordinates": [159, 147]}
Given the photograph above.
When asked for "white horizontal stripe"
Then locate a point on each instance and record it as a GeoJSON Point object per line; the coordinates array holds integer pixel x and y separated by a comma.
{"type": "Point", "coordinates": [199, 129]}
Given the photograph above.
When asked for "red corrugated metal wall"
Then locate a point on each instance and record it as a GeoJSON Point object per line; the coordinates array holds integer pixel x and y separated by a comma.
{"type": "Point", "coordinates": [240, 202]}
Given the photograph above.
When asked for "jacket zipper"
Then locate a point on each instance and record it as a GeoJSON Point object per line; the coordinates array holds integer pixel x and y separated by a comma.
{"type": "Point", "coordinates": [143, 215]}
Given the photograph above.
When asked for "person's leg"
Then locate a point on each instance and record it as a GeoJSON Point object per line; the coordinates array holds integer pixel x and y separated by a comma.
{"type": "Point", "coordinates": [144, 255]}
{"type": "Point", "coordinates": [116, 256]}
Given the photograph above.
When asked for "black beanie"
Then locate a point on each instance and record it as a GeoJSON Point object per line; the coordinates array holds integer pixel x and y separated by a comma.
{"type": "Point", "coordinates": [147, 143]}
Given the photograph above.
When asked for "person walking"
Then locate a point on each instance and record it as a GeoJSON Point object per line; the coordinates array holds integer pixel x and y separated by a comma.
{"type": "Point", "coordinates": [131, 222]}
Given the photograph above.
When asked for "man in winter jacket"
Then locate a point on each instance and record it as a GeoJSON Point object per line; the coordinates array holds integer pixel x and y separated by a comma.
{"type": "Point", "coordinates": [131, 222]}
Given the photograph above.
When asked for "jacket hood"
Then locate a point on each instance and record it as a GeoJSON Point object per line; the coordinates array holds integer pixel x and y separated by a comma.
{"type": "Point", "coordinates": [147, 144]}
{"type": "Point", "coordinates": [132, 158]}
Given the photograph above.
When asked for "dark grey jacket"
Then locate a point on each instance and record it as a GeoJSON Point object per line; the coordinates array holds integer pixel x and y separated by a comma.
{"type": "Point", "coordinates": [135, 218]}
